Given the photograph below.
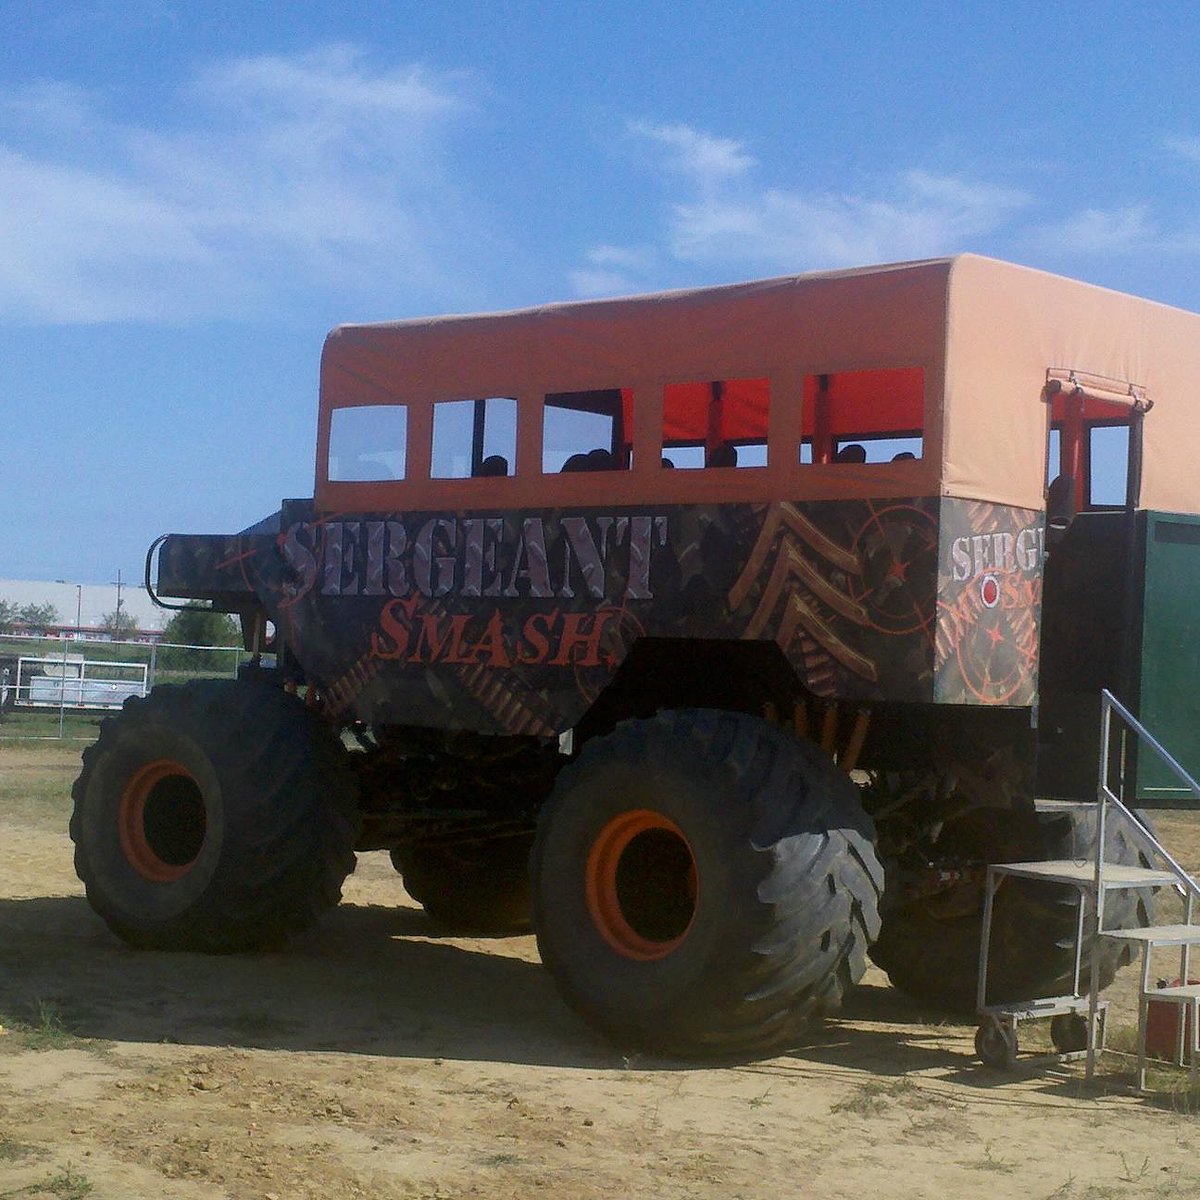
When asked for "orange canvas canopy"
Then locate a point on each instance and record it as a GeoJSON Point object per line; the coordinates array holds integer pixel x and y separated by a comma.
{"type": "Point", "coordinates": [965, 345]}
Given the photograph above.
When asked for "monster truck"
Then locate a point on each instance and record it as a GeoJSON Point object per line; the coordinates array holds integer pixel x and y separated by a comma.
{"type": "Point", "coordinates": [722, 636]}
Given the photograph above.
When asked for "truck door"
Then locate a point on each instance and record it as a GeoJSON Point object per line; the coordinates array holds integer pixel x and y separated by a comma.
{"type": "Point", "coordinates": [1090, 636]}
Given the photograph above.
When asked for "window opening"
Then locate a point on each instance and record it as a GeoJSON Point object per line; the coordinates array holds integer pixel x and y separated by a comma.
{"type": "Point", "coordinates": [716, 423]}
{"type": "Point", "coordinates": [587, 431]}
{"type": "Point", "coordinates": [1108, 465]}
{"type": "Point", "coordinates": [474, 437]}
{"type": "Point", "coordinates": [877, 449]}
{"type": "Point", "coordinates": [1053, 454]}
{"type": "Point", "coordinates": [864, 416]}
{"type": "Point", "coordinates": [368, 442]}
{"type": "Point", "coordinates": [1088, 454]}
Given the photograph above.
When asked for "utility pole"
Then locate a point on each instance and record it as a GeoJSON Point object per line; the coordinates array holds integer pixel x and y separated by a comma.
{"type": "Point", "coordinates": [119, 630]}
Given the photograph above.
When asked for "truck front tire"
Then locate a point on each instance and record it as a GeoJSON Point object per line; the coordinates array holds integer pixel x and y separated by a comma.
{"type": "Point", "coordinates": [216, 816]}
{"type": "Point", "coordinates": [704, 885]}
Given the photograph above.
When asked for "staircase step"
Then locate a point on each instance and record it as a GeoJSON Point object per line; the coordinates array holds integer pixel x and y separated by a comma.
{"type": "Point", "coordinates": [1073, 871]}
{"type": "Point", "coordinates": [1158, 935]}
{"type": "Point", "coordinates": [1181, 993]}
{"type": "Point", "coordinates": [1043, 805]}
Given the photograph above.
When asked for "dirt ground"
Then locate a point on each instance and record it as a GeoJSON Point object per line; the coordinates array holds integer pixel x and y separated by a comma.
{"type": "Point", "coordinates": [377, 1058]}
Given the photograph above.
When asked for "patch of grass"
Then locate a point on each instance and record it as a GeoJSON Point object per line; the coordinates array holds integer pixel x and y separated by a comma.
{"type": "Point", "coordinates": [28, 727]}
{"type": "Point", "coordinates": [1172, 1090]}
{"type": "Point", "coordinates": [939, 1125]}
{"type": "Point", "coordinates": [503, 1159]}
{"type": "Point", "coordinates": [875, 1096]}
{"type": "Point", "coordinates": [989, 1162]}
{"type": "Point", "coordinates": [1064, 1189]}
{"type": "Point", "coordinates": [1169, 1085]}
{"type": "Point", "coordinates": [46, 1030]}
{"type": "Point", "coordinates": [35, 781]}
{"type": "Point", "coordinates": [68, 1184]}
{"type": "Point", "coordinates": [1131, 1170]}
{"type": "Point", "coordinates": [760, 1101]}
{"type": "Point", "coordinates": [11, 1150]}
{"type": "Point", "coordinates": [65, 1184]}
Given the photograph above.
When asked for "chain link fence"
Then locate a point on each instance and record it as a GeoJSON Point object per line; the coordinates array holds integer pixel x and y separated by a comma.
{"type": "Point", "coordinates": [61, 687]}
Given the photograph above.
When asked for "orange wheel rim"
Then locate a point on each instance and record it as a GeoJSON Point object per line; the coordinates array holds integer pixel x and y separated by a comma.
{"type": "Point", "coordinates": [161, 821]}
{"type": "Point", "coordinates": [642, 885]}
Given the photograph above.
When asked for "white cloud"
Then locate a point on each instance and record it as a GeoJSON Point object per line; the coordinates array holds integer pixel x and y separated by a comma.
{"type": "Point", "coordinates": [590, 283]}
{"type": "Point", "coordinates": [1104, 231]}
{"type": "Point", "coordinates": [725, 218]}
{"type": "Point", "coordinates": [917, 216]}
{"type": "Point", "coordinates": [614, 271]}
{"type": "Point", "coordinates": [81, 247]}
{"type": "Point", "coordinates": [707, 160]}
{"type": "Point", "coordinates": [1186, 148]}
{"type": "Point", "coordinates": [324, 82]}
{"type": "Point", "coordinates": [313, 170]}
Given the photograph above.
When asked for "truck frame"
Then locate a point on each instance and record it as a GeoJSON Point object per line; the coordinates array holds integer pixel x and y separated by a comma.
{"type": "Point", "coordinates": [723, 636]}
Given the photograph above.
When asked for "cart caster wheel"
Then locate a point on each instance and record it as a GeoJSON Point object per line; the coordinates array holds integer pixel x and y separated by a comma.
{"type": "Point", "coordinates": [996, 1045]}
{"type": "Point", "coordinates": [1069, 1032]}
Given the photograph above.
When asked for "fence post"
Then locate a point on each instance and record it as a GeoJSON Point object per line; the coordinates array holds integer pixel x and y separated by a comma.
{"type": "Point", "coordinates": [62, 693]}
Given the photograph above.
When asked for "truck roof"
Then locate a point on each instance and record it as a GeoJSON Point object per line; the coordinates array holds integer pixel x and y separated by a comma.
{"type": "Point", "coordinates": [979, 339]}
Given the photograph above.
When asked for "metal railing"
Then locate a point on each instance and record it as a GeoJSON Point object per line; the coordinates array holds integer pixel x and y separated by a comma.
{"type": "Point", "coordinates": [1150, 844]}
{"type": "Point", "coordinates": [42, 678]}
{"type": "Point", "coordinates": [77, 682]}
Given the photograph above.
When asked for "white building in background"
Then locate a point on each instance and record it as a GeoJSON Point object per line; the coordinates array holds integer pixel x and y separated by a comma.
{"type": "Point", "coordinates": [82, 607]}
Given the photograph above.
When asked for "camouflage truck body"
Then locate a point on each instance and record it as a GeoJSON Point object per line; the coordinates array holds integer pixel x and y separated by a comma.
{"type": "Point", "coordinates": [516, 622]}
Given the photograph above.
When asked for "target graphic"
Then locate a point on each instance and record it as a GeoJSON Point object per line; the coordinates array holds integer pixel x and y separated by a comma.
{"type": "Point", "coordinates": [898, 549]}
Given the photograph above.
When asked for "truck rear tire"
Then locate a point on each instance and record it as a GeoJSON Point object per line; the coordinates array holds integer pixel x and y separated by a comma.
{"type": "Point", "coordinates": [1032, 951]}
{"type": "Point", "coordinates": [704, 884]}
{"type": "Point", "coordinates": [477, 887]}
{"type": "Point", "coordinates": [216, 816]}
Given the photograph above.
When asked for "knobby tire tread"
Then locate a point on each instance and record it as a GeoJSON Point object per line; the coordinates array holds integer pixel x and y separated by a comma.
{"type": "Point", "coordinates": [288, 805]}
{"type": "Point", "coordinates": [804, 907]}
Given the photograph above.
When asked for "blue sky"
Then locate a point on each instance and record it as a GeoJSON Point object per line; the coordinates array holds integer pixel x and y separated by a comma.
{"type": "Point", "coordinates": [191, 195]}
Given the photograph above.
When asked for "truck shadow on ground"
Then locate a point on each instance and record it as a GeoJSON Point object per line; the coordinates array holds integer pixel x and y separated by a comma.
{"type": "Point", "coordinates": [371, 979]}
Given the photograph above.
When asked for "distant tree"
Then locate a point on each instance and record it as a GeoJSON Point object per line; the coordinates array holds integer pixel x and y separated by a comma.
{"type": "Point", "coordinates": [39, 617]}
{"type": "Point", "coordinates": [199, 625]}
{"type": "Point", "coordinates": [8, 614]}
{"type": "Point", "coordinates": [120, 623]}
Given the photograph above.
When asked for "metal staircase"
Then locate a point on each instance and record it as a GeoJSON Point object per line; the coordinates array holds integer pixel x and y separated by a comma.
{"type": "Point", "coordinates": [1078, 1019]}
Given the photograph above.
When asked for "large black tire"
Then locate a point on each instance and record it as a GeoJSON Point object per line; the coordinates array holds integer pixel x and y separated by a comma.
{"type": "Point", "coordinates": [705, 884]}
{"type": "Point", "coordinates": [216, 816]}
{"type": "Point", "coordinates": [475, 887]}
{"type": "Point", "coordinates": [1032, 951]}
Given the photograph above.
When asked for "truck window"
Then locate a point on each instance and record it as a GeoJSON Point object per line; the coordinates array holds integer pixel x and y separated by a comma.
{"type": "Point", "coordinates": [587, 431]}
{"type": "Point", "coordinates": [1108, 465]}
{"type": "Point", "coordinates": [1053, 454]}
{"type": "Point", "coordinates": [474, 437]}
{"type": "Point", "coordinates": [863, 416]}
{"type": "Point", "coordinates": [1089, 448]}
{"type": "Point", "coordinates": [716, 423]}
{"type": "Point", "coordinates": [368, 442]}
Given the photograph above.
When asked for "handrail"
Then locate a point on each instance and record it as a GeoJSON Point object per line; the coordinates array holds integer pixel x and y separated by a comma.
{"type": "Point", "coordinates": [1105, 796]}
{"type": "Point", "coordinates": [158, 541]}
{"type": "Point", "coordinates": [1109, 704]}
{"type": "Point", "coordinates": [1109, 701]}
{"type": "Point", "coordinates": [1185, 879]}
